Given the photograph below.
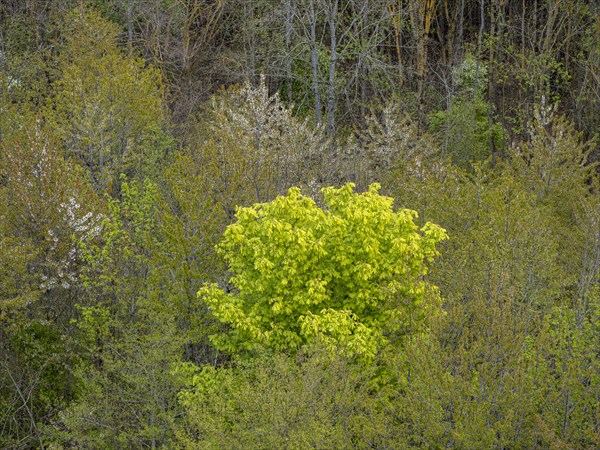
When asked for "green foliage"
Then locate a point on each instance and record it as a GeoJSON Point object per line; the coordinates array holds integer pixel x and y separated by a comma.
{"type": "Point", "coordinates": [338, 330]}
{"type": "Point", "coordinates": [554, 166]}
{"type": "Point", "coordinates": [129, 336]}
{"type": "Point", "coordinates": [564, 368]}
{"type": "Point", "coordinates": [465, 132]}
{"type": "Point", "coordinates": [554, 162]}
{"type": "Point", "coordinates": [470, 77]}
{"type": "Point", "coordinates": [47, 204]}
{"type": "Point", "coordinates": [511, 260]}
{"type": "Point", "coordinates": [464, 129]}
{"type": "Point", "coordinates": [128, 395]}
{"type": "Point", "coordinates": [247, 149]}
{"type": "Point", "coordinates": [23, 69]}
{"type": "Point", "coordinates": [127, 239]}
{"type": "Point", "coordinates": [35, 381]}
{"type": "Point", "coordinates": [349, 275]}
{"type": "Point", "coordinates": [108, 107]}
{"type": "Point", "coordinates": [273, 402]}
{"type": "Point", "coordinates": [46, 209]}
{"type": "Point", "coordinates": [23, 81]}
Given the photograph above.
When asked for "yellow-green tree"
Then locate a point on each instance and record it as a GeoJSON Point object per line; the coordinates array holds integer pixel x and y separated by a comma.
{"type": "Point", "coordinates": [349, 275]}
{"type": "Point", "coordinates": [108, 106]}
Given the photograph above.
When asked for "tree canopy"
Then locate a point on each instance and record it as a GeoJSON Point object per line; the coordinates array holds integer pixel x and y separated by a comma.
{"type": "Point", "coordinates": [349, 273]}
{"type": "Point", "coordinates": [202, 235]}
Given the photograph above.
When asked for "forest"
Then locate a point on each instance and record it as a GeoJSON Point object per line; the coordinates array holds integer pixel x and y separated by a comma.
{"type": "Point", "coordinates": [299, 224]}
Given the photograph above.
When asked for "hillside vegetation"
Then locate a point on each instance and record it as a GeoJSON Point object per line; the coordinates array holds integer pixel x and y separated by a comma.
{"type": "Point", "coordinates": [299, 224]}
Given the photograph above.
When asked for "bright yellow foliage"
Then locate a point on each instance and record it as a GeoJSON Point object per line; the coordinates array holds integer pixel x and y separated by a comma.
{"type": "Point", "coordinates": [349, 275]}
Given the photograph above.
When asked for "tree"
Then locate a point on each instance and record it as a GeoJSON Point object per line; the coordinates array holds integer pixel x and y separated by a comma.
{"type": "Point", "coordinates": [130, 333]}
{"type": "Point", "coordinates": [182, 39]}
{"type": "Point", "coordinates": [421, 13]}
{"type": "Point", "coordinates": [464, 129]}
{"type": "Point", "coordinates": [108, 106]}
{"type": "Point", "coordinates": [349, 275]}
{"type": "Point", "coordinates": [47, 209]}
{"type": "Point", "coordinates": [272, 402]}
{"type": "Point", "coordinates": [555, 165]}
{"type": "Point", "coordinates": [249, 149]}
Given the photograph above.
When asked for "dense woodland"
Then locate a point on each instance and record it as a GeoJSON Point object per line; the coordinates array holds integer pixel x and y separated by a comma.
{"type": "Point", "coordinates": [299, 224]}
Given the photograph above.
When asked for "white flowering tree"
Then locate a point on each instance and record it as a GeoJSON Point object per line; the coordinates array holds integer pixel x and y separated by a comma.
{"type": "Point", "coordinates": [47, 204]}
{"type": "Point", "coordinates": [250, 148]}
{"type": "Point", "coordinates": [47, 209]}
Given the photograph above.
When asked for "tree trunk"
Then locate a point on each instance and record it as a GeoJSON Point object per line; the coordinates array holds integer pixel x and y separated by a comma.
{"type": "Point", "coordinates": [421, 14]}
{"type": "Point", "coordinates": [314, 60]}
{"type": "Point", "coordinates": [396, 12]}
{"type": "Point", "coordinates": [289, 15]}
{"type": "Point", "coordinates": [331, 97]}
{"type": "Point", "coordinates": [129, 27]}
